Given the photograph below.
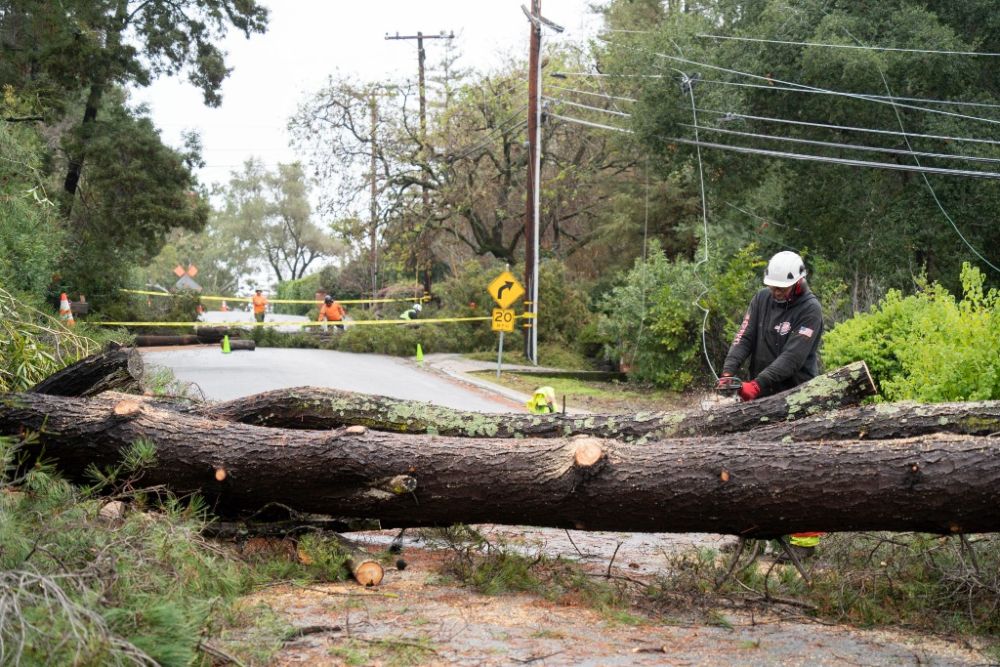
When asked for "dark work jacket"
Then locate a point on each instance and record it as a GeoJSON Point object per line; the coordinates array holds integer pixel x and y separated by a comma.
{"type": "Point", "coordinates": [781, 340]}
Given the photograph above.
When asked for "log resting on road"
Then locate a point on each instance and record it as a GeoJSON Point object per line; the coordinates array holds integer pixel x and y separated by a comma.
{"type": "Point", "coordinates": [317, 408]}
{"type": "Point", "coordinates": [733, 484]}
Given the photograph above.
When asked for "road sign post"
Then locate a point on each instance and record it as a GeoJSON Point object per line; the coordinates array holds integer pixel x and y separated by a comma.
{"type": "Point", "coordinates": [505, 290]}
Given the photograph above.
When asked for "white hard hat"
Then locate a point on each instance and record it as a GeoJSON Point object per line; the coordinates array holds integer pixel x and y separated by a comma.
{"type": "Point", "coordinates": [417, 307]}
{"type": "Point", "coordinates": [784, 270]}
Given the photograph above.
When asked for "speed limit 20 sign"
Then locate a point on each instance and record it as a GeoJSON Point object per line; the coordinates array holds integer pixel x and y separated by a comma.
{"type": "Point", "coordinates": [503, 320]}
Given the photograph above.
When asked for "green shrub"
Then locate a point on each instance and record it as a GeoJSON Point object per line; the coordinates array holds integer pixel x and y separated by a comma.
{"type": "Point", "coordinates": [304, 288]}
{"type": "Point", "coordinates": [652, 326]}
{"type": "Point", "coordinates": [927, 346]}
{"type": "Point", "coordinates": [31, 236]}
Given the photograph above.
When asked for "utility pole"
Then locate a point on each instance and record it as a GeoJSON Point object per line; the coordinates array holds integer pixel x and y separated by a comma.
{"type": "Point", "coordinates": [421, 59]}
{"type": "Point", "coordinates": [373, 206]}
{"type": "Point", "coordinates": [531, 200]}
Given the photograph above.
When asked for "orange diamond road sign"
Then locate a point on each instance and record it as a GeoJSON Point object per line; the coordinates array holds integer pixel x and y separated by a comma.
{"type": "Point", "coordinates": [505, 289]}
{"type": "Point", "coordinates": [179, 271]}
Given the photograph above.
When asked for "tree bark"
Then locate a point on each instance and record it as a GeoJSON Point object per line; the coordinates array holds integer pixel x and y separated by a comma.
{"type": "Point", "coordinates": [734, 484]}
{"type": "Point", "coordinates": [890, 420]}
{"type": "Point", "coordinates": [318, 408]}
{"type": "Point", "coordinates": [152, 340]}
{"type": "Point", "coordinates": [118, 369]}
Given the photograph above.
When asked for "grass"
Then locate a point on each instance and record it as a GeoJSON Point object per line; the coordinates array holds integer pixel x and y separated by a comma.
{"type": "Point", "coordinates": [553, 356]}
{"type": "Point", "coordinates": [927, 583]}
{"type": "Point", "coordinates": [595, 396]}
{"type": "Point", "coordinates": [402, 652]}
{"type": "Point", "coordinates": [497, 568]}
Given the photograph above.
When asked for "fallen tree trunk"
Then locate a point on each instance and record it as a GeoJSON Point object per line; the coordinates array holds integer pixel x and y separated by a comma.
{"type": "Point", "coordinates": [890, 420]}
{"type": "Point", "coordinates": [733, 484]}
{"type": "Point", "coordinates": [317, 408]}
{"type": "Point", "coordinates": [118, 369]}
{"type": "Point", "coordinates": [152, 340]}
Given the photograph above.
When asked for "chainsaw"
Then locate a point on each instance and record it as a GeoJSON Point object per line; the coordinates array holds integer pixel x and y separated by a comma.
{"type": "Point", "coordinates": [729, 387]}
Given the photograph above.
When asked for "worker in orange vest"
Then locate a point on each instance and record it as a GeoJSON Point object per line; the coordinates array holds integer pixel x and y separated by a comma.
{"type": "Point", "coordinates": [259, 305]}
{"type": "Point", "coordinates": [332, 311]}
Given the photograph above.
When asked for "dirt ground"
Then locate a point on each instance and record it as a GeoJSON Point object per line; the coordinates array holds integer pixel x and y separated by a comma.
{"type": "Point", "coordinates": [419, 617]}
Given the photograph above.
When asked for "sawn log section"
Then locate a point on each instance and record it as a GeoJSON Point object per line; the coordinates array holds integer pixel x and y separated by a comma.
{"type": "Point", "coordinates": [731, 484]}
{"type": "Point", "coordinates": [317, 408]}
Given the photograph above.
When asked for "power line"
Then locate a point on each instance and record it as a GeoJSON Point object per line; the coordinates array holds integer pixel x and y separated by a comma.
{"type": "Point", "coordinates": [588, 123]}
{"type": "Point", "coordinates": [500, 127]}
{"type": "Point", "coordinates": [729, 115]}
{"type": "Point", "coordinates": [791, 89]}
{"type": "Point", "coordinates": [972, 173]}
{"type": "Point", "coordinates": [848, 46]}
{"type": "Point", "coordinates": [559, 75]}
{"type": "Point", "coordinates": [826, 90]}
{"type": "Point", "coordinates": [587, 106]}
{"type": "Point", "coordinates": [855, 147]}
{"type": "Point", "coordinates": [589, 92]}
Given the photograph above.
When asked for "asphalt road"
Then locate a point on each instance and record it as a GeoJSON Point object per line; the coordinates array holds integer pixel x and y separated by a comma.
{"type": "Point", "coordinates": [227, 376]}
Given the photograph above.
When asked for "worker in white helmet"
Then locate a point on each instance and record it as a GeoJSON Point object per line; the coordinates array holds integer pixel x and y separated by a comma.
{"type": "Point", "coordinates": [780, 334]}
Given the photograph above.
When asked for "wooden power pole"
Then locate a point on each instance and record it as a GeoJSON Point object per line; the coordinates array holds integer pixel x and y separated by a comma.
{"type": "Point", "coordinates": [421, 59]}
{"type": "Point", "coordinates": [531, 200]}
{"type": "Point", "coordinates": [373, 205]}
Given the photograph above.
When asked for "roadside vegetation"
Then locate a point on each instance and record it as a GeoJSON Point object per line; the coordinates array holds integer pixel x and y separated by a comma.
{"type": "Point", "coordinates": [941, 585]}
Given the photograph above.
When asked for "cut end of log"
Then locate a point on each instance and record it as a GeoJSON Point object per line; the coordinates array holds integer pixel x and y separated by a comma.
{"type": "Point", "coordinates": [127, 408]}
{"type": "Point", "coordinates": [357, 429]}
{"type": "Point", "coordinates": [367, 573]}
{"type": "Point", "coordinates": [220, 474]}
{"type": "Point", "coordinates": [588, 452]}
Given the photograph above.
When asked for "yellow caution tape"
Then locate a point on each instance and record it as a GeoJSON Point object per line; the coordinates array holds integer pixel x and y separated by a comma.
{"type": "Point", "coordinates": [311, 323]}
{"type": "Point", "coordinates": [246, 299]}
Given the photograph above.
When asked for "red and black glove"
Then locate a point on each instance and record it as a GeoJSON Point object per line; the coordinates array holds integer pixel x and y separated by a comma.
{"type": "Point", "coordinates": [721, 383]}
{"type": "Point", "coordinates": [749, 391]}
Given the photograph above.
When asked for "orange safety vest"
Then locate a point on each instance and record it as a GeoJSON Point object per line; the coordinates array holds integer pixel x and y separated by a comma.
{"type": "Point", "coordinates": [334, 312]}
{"type": "Point", "coordinates": [259, 303]}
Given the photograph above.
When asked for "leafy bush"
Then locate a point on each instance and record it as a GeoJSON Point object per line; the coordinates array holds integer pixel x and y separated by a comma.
{"type": "Point", "coordinates": [927, 346]}
{"type": "Point", "coordinates": [304, 288]}
{"type": "Point", "coordinates": [31, 236]}
{"type": "Point", "coordinates": [652, 326]}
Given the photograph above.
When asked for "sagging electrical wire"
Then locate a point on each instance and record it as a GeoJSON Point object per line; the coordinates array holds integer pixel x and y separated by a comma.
{"type": "Point", "coordinates": [803, 86]}
{"type": "Point", "coordinates": [688, 84]}
{"type": "Point", "coordinates": [796, 156]}
{"type": "Point", "coordinates": [855, 147]}
{"type": "Point", "coordinates": [927, 182]}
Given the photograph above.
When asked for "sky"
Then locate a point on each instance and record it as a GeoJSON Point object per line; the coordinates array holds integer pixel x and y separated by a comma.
{"type": "Point", "coordinates": [307, 40]}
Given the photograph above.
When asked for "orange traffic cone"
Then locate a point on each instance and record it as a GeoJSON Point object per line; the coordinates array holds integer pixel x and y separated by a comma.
{"type": "Point", "coordinates": [65, 314]}
{"type": "Point", "coordinates": [225, 307]}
